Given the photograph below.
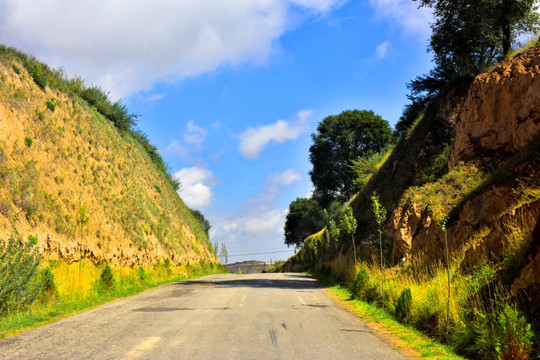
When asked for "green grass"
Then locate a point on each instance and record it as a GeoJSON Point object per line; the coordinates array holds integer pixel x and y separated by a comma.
{"type": "Point", "coordinates": [427, 348]}
{"type": "Point", "coordinates": [128, 283]}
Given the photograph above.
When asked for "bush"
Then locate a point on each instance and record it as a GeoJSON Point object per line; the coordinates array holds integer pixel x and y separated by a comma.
{"type": "Point", "coordinates": [19, 285]}
{"type": "Point", "coordinates": [48, 290]}
{"type": "Point", "coordinates": [35, 70]}
{"type": "Point", "coordinates": [106, 280]}
{"type": "Point", "coordinates": [404, 305]}
{"type": "Point", "coordinates": [28, 141]}
{"type": "Point", "coordinates": [360, 282]}
{"type": "Point", "coordinates": [514, 335]}
{"type": "Point", "coordinates": [50, 105]}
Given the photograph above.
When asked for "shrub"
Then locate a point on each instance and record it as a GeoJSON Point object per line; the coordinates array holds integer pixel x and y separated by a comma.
{"type": "Point", "coordinates": [514, 335]}
{"type": "Point", "coordinates": [360, 282]}
{"type": "Point", "coordinates": [19, 285]}
{"type": "Point", "coordinates": [48, 290]}
{"type": "Point", "coordinates": [404, 305]}
{"type": "Point", "coordinates": [142, 274]}
{"type": "Point", "coordinates": [50, 105]}
{"type": "Point", "coordinates": [28, 141]}
{"type": "Point", "coordinates": [106, 280]}
{"type": "Point", "coordinates": [35, 70]}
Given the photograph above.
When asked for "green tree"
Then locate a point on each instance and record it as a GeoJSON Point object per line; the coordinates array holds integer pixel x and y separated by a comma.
{"type": "Point", "coordinates": [364, 168]}
{"type": "Point", "coordinates": [468, 36]}
{"type": "Point", "coordinates": [338, 140]}
{"type": "Point", "coordinates": [223, 254]}
{"type": "Point", "coordinates": [305, 217]}
{"type": "Point", "coordinates": [349, 224]}
{"type": "Point", "coordinates": [379, 212]}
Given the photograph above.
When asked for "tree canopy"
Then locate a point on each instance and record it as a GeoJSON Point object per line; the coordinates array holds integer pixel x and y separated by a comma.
{"type": "Point", "coordinates": [339, 140]}
{"type": "Point", "coordinates": [305, 217]}
{"type": "Point", "coordinates": [468, 36]}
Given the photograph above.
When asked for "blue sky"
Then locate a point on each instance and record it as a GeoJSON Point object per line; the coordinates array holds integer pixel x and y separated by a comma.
{"type": "Point", "coordinates": [230, 91]}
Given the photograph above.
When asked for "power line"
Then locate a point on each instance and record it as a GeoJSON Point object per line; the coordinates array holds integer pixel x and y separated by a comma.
{"type": "Point", "coordinates": [264, 253]}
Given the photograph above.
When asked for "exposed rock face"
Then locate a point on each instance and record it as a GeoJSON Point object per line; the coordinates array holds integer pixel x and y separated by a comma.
{"type": "Point", "coordinates": [501, 113]}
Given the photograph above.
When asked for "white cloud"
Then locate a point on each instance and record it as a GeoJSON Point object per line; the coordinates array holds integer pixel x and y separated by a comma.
{"type": "Point", "coordinates": [253, 140]}
{"type": "Point", "coordinates": [177, 149]}
{"type": "Point", "coordinates": [405, 13]}
{"type": "Point", "coordinates": [127, 46]}
{"type": "Point", "coordinates": [196, 186]}
{"type": "Point", "coordinates": [286, 177]}
{"type": "Point", "coordinates": [382, 50]}
{"type": "Point", "coordinates": [195, 135]}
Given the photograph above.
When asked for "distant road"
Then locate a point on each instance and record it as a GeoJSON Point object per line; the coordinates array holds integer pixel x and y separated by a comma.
{"type": "Point", "coordinates": [257, 316]}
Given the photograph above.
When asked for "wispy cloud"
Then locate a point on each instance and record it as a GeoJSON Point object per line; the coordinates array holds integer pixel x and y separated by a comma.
{"type": "Point", "coordinates": [253, 140]}
{"type": "Point", "coordinates": [405, 13]}
{"type": "Point", "coordinates": [195, 135]}
{"type": "Point", "coordinates": [382, 50]}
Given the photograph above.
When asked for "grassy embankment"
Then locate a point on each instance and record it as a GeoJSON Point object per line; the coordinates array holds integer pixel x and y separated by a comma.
{"type": "Point", "coordinates": [80, 286]}
{"type": "Point", "coordinates": [66, 148]}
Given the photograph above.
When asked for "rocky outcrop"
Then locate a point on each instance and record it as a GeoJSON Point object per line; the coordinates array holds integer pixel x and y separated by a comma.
{"type": "Point", "coordinates": [501, 113]}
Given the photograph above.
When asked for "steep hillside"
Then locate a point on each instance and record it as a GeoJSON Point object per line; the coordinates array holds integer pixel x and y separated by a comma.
{"type": "Point", "coordinates": [83, 187]}
{"type": "Point", "coordinates": [468, 171]}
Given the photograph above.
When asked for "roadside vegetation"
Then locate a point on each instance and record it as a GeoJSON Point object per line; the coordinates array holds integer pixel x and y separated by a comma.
{"type": "Point", "coordinates": [34, 291]}
{"type": "Point", "coordinates": [468, 305]}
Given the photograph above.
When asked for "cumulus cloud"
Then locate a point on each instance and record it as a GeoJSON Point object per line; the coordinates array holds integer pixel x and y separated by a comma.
{"type": "Point", "coordinates": [405, 13]}
{"type": "Point", "coordinates": [127, 46]}
{"type": "Point", "coordinates": [253, 140]}
{"type": "Point", "coordinates": [196, 186]}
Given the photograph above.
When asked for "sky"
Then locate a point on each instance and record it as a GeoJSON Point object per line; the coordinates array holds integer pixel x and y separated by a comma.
{"type": "Point", "coordinates": [231, 91]}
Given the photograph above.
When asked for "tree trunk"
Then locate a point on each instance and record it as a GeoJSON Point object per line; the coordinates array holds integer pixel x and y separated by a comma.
{"type": "Point", "coordinates": [506, 28]}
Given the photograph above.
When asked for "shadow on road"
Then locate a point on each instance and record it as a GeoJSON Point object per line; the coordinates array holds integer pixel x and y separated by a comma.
{"type": "Point", "coordinates": [295, 282]}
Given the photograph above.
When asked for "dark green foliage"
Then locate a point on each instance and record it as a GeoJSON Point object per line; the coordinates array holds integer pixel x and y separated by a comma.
{"type": "Point", "coordinates": [114, 111]}
{"type": "Point", "coordinates": [16, 69]}
{"type": "Point", "coordinates": [49, 290]}
{"type": "Point", "coordinates": [205, 224]}
{"type": "Point", "coordinates": [28, 141]}
{"type": "Point", "coordinates": [338, 140]}
{"type": "Point", "coordinates": [158, 189]}
{"type": "Point", "coordinates": [360, 282]}
{"type": "Point", "coordinates": [19, 283]}
{"type": "Point", "coordinates": [410, 114]}
{"type": "Point", "coordinates": [106, 280]}
{"type": "Point", "coordinates": [35, 69]}
{"type": "Point", "coordinates": [305, 217]}
{"type": "Point", "coordinates": [50, 105]}
{"type": "Point", "coordinates": [470, 35]}
{"type": "Point", "coordinates": [404, 305]}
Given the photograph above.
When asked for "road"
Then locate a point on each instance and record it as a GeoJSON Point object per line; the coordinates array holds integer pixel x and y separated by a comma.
{"type": "Point", "coordinates": [256, 316]}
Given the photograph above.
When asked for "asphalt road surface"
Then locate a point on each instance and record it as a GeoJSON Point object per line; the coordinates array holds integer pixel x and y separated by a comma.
{"type": "Point", "coordinates": [256, 316]}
